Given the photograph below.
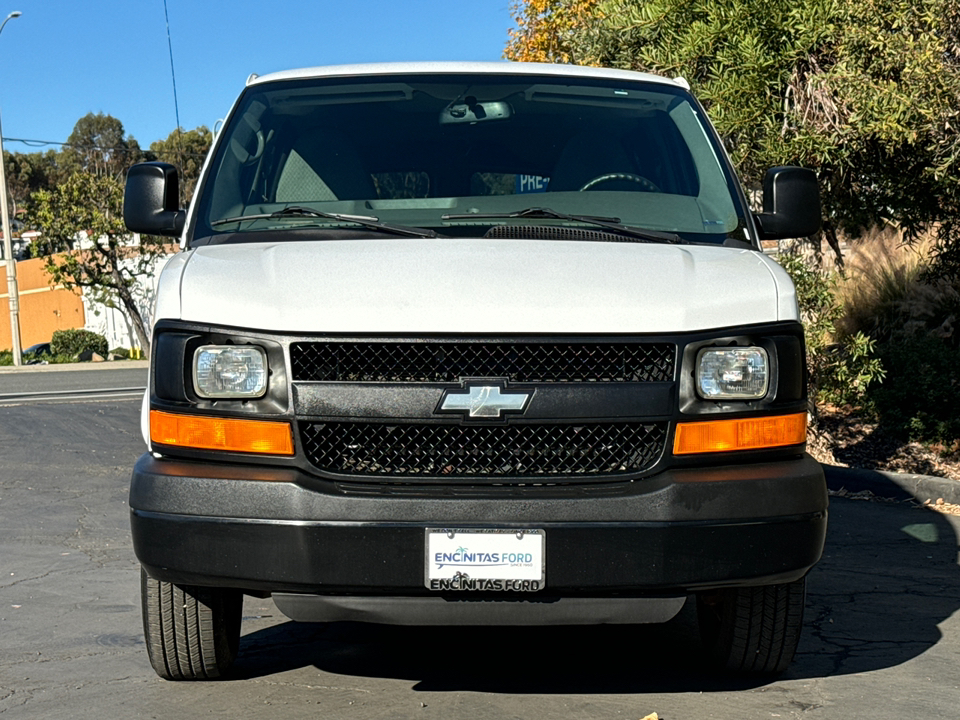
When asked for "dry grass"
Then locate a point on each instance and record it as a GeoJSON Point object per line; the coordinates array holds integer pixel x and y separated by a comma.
{"type": "Point", "coordinates": [882, 293]}
{"type": "Point", "coordinates": [880, 285]}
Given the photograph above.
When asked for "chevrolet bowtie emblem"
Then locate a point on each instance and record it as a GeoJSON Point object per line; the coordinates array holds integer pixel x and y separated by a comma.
{"type": "Point", "coordinates": [484, 401]}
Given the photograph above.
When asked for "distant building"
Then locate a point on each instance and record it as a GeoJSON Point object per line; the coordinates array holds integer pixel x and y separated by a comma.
{"type": "Point", "coordinates": [18, 242]}
{"type": "Point", "coordinates": [45, 308]}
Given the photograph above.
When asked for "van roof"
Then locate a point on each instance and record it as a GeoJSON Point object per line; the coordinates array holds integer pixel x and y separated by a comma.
{"type": "Point", "coordinates": [491, 68]}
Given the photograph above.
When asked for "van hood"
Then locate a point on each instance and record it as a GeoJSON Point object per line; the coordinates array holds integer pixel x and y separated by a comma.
{"type": "Point", "coordinates": [474, 286]}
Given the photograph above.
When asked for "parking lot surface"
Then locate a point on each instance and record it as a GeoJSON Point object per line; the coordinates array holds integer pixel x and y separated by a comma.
{"type": "Point", "coordinates": [882, 635]}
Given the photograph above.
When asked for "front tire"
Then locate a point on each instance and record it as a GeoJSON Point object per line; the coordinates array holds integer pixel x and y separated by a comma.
{"type": "Point", "coordinates": [752, 629]}
{"type": "Point", "coordinates": [192, 633]}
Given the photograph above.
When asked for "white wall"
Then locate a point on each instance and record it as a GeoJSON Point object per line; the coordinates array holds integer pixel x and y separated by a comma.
{"type": "Point", "coordinates": [112, 323]}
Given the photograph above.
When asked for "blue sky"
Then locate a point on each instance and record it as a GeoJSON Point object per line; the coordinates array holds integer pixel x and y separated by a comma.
{"type": "Point", "coordinates": [64, 58]}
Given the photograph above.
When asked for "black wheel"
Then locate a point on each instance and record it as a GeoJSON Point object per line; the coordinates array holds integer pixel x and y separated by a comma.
{"type": "Point", "coordinates": [192, 633]}
{"type": "Point", "coordinates": [752, 629]}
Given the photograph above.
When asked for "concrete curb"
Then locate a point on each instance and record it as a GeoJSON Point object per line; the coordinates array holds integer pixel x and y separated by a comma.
{"type": "Point", "coordinates": [71, 367]}
{"type": "Point", "coordinates": [899, 486]}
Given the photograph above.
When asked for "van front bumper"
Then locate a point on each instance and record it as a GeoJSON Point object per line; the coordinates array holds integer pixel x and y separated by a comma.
{"type": "Point", "coordinates": [267, 530]}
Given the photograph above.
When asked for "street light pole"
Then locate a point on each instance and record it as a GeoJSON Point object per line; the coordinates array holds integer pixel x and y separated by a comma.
{"type": "Point", "coordinates": [13, 293]}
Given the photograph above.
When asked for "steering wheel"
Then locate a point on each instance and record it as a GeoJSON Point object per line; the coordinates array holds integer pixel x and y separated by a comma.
{"type": "Point", "coordinates": [639, 179]}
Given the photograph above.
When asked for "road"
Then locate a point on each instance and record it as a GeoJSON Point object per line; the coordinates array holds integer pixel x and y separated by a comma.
{"type": "Point", "coordinates": [49, 383]}
{"type": "Point", "coordinates": [882, 636]}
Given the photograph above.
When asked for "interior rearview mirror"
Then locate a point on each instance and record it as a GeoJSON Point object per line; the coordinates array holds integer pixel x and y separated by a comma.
{"type": "Point", "coordinates": [471, 111]}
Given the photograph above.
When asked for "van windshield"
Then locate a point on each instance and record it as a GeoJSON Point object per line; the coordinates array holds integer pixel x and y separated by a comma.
{"type": "Point", "coordinates": [459, 154]}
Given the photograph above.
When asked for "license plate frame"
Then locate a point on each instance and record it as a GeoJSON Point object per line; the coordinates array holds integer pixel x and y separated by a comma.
{"type": "Point", "coordinates": [484, 559]}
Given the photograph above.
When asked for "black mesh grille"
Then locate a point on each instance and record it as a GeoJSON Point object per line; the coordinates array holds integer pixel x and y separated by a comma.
{"type": "Point", "coordinates": [448, 362]}
{"type": "Point", "coordinates": [504, 451]}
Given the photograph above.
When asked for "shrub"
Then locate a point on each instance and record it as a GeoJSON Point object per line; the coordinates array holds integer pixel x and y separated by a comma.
{"type": "Point", "coordinates": [75, 341]}
{"type": "Point", "coordinates": [841, 366]}
{"type": "Point", "coordinates": [888, 294]}
{"type": "Point", "coordinates": [922, 354]}
{"type": "Point", "coordinates": [922, 403]}
{"type": "Point", "coordinates": [60, 359]}
{"type": "Point", "coordinates": [121, 353]}
{"type": "Point", "coordinates": [881, 336]}
{"type": "Point", "coordinates": [6, 357]}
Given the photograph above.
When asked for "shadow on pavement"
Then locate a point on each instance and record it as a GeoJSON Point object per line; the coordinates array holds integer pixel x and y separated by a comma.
{"type": "Point", "coordinates": [888, 577]}
{"type": "Point", "coordinates": [580, 660]}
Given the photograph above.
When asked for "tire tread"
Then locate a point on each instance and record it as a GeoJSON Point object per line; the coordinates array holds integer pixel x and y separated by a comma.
{"type": "Point", "coordinates": [753, 629]}
{"type": "Point", "coordinates": [191, 633]}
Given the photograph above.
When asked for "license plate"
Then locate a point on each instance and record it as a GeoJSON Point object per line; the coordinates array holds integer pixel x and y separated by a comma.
{"type": "Point", "coordinates": [484, 560]}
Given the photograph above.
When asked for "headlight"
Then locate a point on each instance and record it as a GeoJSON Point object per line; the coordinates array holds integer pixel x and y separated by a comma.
{"type": "Point", "coordinates": [230, 371]}
{"type": "Point", "coordinates": [733, 373]}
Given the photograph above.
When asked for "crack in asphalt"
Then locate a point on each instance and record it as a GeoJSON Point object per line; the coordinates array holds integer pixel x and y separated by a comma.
{"type": "Point", "coordinates": [28, 579]}
{"type": "Point", "coordinates": [18, 703]}
{"type": "Point", "coordinates": [840, 647]}
{"type": "Point", "coordinates": [819, 629]}
{"type": "Point", "coordinates": [805, 707]}
{"type": "Point", "coordinates": [306, 686]}
{"type": "Point", "coordinates": [99, 556]}
{"type": "Point", "coordinates": [66, 657]}
{"type": "Point", "coordinates": [819, 691]}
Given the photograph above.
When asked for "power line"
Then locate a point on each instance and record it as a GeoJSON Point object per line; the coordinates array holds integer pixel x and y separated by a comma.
{"type": "Point", "coordinates": [43, 143]}
{"type": "Point", "coordinates": [34, 143]}
{"type": "Point", "coordinates": [173, 77]}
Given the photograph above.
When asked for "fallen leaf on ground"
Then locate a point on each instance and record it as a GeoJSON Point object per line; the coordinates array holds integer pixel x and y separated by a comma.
{"type": "Point", "coordinates": [860, 495]}
{"type": "Point", "coordinates": [943, 507]}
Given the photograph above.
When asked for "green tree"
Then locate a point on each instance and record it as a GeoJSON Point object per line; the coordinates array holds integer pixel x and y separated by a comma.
{"type": "Point", "coordinates": [867, 92]}
{"type": "Point", "coordinates": [80, 217]}
{"type": "Point", "coordinates": [90, 206]}
{"type": "Point", "coordinates": [28, 172]}
{"type": "Point", "coordinates": [99, 145]}
{"type": "Point", "coordinates": [187, 149]}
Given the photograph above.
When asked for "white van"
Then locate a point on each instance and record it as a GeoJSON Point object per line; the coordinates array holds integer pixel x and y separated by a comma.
{"type": "Point", "coordinates": [474, 344]}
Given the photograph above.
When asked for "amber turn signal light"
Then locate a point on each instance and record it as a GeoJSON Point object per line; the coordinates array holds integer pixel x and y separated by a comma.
{"type": "Point", "coordinates": [214, 433]}
{"type": "Point", "coordinates": [740, 434]}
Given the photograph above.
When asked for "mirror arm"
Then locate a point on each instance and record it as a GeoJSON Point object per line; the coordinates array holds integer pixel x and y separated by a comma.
{"type": "Point", "coordinates": [767, 226]}
{"type": "Point", "coordinates": [178, 222]}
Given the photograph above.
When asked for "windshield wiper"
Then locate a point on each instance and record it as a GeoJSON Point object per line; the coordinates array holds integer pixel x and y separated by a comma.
{"type": "Point", "coordinates": [295, 211]}
{"type": "Point", "coordinates": [611, 223]}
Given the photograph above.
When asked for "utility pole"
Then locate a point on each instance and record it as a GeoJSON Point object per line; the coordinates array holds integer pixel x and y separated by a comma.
{"type": "Point", "coordinates": [13, 292]}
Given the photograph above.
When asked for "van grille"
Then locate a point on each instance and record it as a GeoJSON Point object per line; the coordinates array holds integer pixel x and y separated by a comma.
{"type": "Point", "coordinates": [527, 362]}
{"type": "Point", "coordinates": [449, 451]}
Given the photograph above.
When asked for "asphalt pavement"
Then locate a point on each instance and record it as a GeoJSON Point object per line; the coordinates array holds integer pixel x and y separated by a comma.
{"type": "Point", "coordinates": [881, 640]}
{"type": "Point", "coordinates": [46, 383]}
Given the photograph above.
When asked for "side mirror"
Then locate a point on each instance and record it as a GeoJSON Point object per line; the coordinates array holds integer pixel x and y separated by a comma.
{"type": "Point", "coordinates": [791, 204]}
{"type": "Point", "coordinates": [151, 200]}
